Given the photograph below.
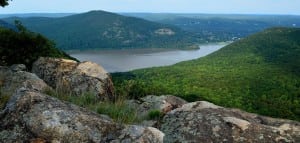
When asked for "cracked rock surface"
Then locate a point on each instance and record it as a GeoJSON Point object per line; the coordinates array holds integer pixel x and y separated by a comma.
{"type": "Point", "coordinates": [205, 122]}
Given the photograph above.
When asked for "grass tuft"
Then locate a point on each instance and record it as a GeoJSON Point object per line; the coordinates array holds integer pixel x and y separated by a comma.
{"type": "Point", "coordinates": [155, 114]}
{"type": "Point", "coordinates": [118, 110]}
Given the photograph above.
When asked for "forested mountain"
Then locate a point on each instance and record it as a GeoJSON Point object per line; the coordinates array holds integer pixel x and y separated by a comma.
{"type": "Point", "coordinates": [221, 27]}
{"type": "Point", "coordinates": [260, 73]}
{"type": "Point", "coordinates": [99, 29]}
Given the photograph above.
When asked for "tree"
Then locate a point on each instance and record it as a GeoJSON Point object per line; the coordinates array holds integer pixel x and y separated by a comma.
{"type": "Point", "coordinates": [24, 47]}
{"type": "Point", "coordinates": [3, 2]}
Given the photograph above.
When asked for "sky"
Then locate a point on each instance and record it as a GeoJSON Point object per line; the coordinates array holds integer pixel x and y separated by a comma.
{"type": "Point", "coordinates": [290, 7]}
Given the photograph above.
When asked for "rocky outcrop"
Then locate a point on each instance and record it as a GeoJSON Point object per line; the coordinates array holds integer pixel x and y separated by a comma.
{"type": "Point", "coordinates": [164, 31]}
{"type": "Point", "coordinates": [163, 103]}
{"type": "Point", "coordinates": [80, 78]}
{"type": "Point", "coordinates": [147, 104]}
{"type": "Point", "coordinates": [150, 103]}
{"type": "Point", "coordinates": [205, 122]}
{"type": "Point", "coordinates": [31, 116]}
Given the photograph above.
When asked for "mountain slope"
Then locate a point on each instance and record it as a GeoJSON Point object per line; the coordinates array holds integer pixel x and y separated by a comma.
{"type": "Point", "coordinates": [99, 29]}
{"type": "Point", "coordinates": [260, 73]}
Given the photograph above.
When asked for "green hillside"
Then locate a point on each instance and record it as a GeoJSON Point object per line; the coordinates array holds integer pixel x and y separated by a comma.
{"type": "Point", "coordinates": [24, 47]}
{"type": "Point", "coordinates": [99, 29]}
{"type": "Point", "coordinates": [260, 74]}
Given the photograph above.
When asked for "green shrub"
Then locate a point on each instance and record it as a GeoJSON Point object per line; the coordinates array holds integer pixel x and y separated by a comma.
{"type": "Point", "coordinates": [119, 111]}
{"type": "Point", "coordinates": [155, 114]}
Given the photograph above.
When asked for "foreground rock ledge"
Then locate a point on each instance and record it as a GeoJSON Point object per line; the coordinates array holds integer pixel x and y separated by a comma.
{"type": "Point", "coordinates": [80, 78]}
{"type": "Point", "coordinates": [30, 116]}
{"type": "Point", "coordinates": [206, 123]}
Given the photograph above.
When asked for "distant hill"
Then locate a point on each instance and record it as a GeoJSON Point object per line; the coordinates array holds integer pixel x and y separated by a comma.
{"type": "Point", "coordinates": [221, 27]}
{"type": "Point", "coordinates": [260, 73]}
{"type": "Point", "coordinates": [99, 29]}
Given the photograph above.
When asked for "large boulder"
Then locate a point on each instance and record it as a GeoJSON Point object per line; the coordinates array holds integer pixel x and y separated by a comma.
{"type": "Point", "coordinates": [205, 122]}
{"type": "Point", "coordinates": [79, 78]}
{"type": "Point", "coordinates": [33, 116]}
{"type": "Point", "coordinates": [14, 77]}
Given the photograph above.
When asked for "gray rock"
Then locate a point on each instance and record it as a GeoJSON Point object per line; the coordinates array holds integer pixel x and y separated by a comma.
{"type": "Point", "coordinates": [205, 122]}
{"type": "Point", "coordinates": [11, 80]}
{"type": "Point", "coordinates": [18, 67]}
{"type": "Point", "coordinates": [79, 78]}
{"type": "Point", "coordinates": [138, 134]}
{"type": "Point", "coordinates": [30, 115]}
{"type": "Point", "coordinates": [163, 103]}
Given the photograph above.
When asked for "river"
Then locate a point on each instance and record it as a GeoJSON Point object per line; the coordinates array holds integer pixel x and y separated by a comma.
{"type": "Point", "coordinates": [122, 60]}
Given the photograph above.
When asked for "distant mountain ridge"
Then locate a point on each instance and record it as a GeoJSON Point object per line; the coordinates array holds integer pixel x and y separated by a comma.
{"type": "Point", "coordinates": [221, 27]}
{"type": "Point", "coordinates": [100, 29]}
{"type": "Point", "coordinates": [24, 15]}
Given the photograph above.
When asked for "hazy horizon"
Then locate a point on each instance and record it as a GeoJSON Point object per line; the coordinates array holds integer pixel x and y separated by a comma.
{"type": "Point", "coordinates": [262, 14]}
{"type": "Point", "coordinates": [256, 7]}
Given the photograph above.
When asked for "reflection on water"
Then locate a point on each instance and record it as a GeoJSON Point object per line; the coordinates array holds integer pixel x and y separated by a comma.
{"type": "Point", "coordinates": [126, 60]}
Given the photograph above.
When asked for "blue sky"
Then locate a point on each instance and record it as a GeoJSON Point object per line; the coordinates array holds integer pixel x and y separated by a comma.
{"type": "Point", "coordinates": [156, 6]}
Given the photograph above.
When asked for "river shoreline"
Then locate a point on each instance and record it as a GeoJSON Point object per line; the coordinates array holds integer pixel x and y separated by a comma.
{"type": "Point", "coordinates": [122, 60]}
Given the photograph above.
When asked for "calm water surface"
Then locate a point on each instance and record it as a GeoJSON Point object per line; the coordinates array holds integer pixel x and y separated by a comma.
{"type": "Point", "coordinates": [129, 59]}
